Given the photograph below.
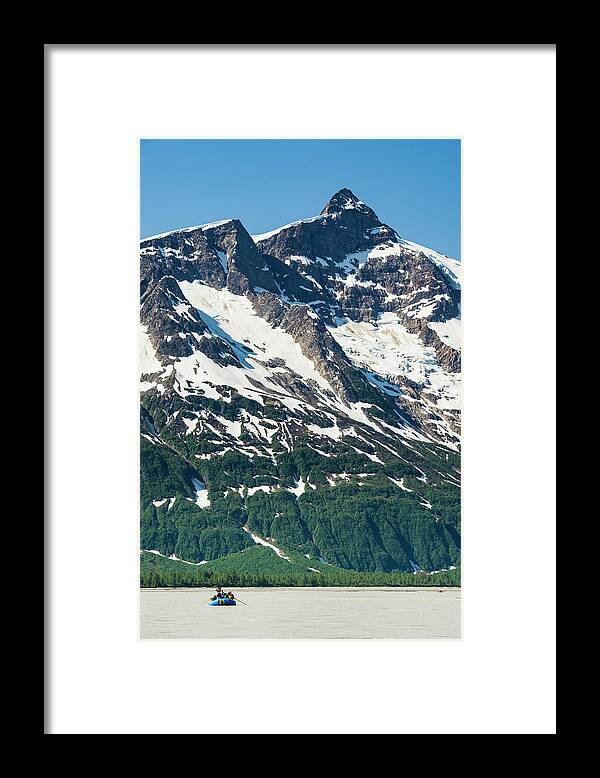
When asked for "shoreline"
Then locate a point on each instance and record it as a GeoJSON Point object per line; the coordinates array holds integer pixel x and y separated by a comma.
{"type": "Point", "coordinates": [306, 588]}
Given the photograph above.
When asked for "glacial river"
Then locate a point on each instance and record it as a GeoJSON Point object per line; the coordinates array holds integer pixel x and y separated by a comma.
{"type": "Point", "coordinates": [303, 613]}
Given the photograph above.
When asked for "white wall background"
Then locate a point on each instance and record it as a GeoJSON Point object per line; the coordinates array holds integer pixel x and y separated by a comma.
{"type": "Point", "coordinates": [500, 677]}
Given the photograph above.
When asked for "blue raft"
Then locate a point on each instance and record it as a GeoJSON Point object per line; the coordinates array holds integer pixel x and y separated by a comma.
{"type": "Point", "coordinates": [222, 601]}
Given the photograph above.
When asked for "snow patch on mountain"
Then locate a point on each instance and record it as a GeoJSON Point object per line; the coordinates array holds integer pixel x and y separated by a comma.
{"type": "Point", "coordinates": [202, 500]}
{"type": "Point", "coordinates": [386, 349]}
{"type": "Point", "coordinates": [261, 542]}
{"type": "Point", "coordinates": [148, 361]}
{"type": "Point", "coordinates": [252, 336]}
{"type": "Point", "coordinates": [277, 230]}
{"type": "Point", "coordinates": [172, 556]}
{"type": "Point", "coordinates": [333, 432]}
{"type": "Point", "coordinates": [449, 332]}
{"type": "Point", "coordinates": [253, 489]}
{"type": "Point", "coordinates": [223, 260]}
{"type": "Point", "coordinates": [299, 489]}
{"type": "Point", "coordinates": [387, 352]}
{"type": "Point", "coordinates": [400, 484]}
{"type": "Point", "coordinates": [202, 227]}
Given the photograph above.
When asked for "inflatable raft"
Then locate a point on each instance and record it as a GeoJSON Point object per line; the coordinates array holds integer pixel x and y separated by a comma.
{"type": "Point", "coordinates": [222, 601]}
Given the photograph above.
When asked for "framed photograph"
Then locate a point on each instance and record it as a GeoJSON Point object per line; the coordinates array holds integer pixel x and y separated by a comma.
{"type": "Point", "coordinates": [262, 442]}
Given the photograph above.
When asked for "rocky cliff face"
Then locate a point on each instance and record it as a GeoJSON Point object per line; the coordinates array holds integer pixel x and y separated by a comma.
{"type": "Point", "coordinates": [326, 351]}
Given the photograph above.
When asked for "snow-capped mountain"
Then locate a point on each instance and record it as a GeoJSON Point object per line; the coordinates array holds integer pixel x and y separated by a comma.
{"type": "Point", "coordinates": [290, 378]}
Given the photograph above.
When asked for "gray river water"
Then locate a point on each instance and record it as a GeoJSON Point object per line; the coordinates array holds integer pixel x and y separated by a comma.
{"type": "Point", "coordinates": [303, 613]}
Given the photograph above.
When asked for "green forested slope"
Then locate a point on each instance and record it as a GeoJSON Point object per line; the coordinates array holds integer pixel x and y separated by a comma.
{"type": "Point", "coordinates": [364, 523]}
{"type": "Point", "coordinates": [258, 566]}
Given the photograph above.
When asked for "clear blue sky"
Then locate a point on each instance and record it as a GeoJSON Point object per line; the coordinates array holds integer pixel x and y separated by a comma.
{"type": "Point", "coordinates": [413, 185]}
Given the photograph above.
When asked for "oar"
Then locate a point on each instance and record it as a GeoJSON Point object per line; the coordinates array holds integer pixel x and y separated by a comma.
{"type": "Point", "coordinates": [205, 601]}
{"type": "Point", "coordinates": [237, 599]}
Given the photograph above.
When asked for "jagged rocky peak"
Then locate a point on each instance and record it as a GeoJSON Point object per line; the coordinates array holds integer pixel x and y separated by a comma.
{"type": "Point", "coordinates": [218, 254]}
{"type": "Point", "coordinates": [345, 225]}
{"type": "Point", "coordinates": [344, 200]}
{"type": "Point", "coordinates": [346, 210]}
